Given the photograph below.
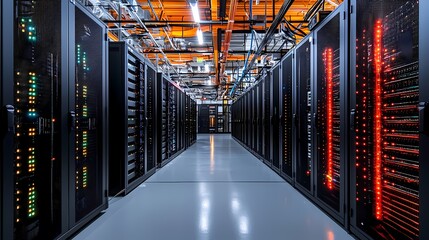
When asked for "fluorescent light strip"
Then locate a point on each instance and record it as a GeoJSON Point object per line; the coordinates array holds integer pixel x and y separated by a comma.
{"type": "Point", "coordinates": [200, 36]}
{"type": "Point", "coordinates": [195, 12]}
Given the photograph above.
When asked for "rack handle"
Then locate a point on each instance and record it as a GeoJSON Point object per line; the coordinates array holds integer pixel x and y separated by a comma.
{"type": "Point", "coordinates": [9, 117]}
{"type": "Point", "coordinates": [72, 120]}
{"type": "Point", "coordinates": [423, 118]}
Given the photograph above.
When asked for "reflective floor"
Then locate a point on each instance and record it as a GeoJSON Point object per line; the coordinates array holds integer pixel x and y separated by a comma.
{"type": "Point", "coordinates": [214, 190]}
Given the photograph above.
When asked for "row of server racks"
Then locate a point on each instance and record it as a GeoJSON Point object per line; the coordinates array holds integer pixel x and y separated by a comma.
{"type": "Point", "coordinates": [343, 117]}
{"type": "Point", "coordinates": [155, 118]}
{"type": "Point", "coordinates": [214, 118]}
{"type": "Point", "coordinates": [58, 109]}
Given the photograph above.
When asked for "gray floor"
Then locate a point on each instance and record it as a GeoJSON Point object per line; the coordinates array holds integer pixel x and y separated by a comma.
{"type": "Point", "coordinates": [214, 190]}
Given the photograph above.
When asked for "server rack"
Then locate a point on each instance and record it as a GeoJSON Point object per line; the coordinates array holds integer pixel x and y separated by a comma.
{"type": "Point", "coordinates": [330, 115]}
{"type": "Point", "coordinates": [304, 164]}
{"type": "Point", "coordinates": [385, 122]}
{"type": "Point", "coordinates": [7, 125]}
{"type": "Point", "coordinates": [252, 119]}
{"type": "Point", "coordinates": [59, 122]}
{"type": "Point", "coordinates": [424, 114]}
{"type": "Point", "coordinates": [193, 121]}
{"type": "Point", "coordinates": [163, 118]}
{"type": "Point", "coordinates": [274, 116]}
{"type": "Point", "coordinates": [287, 117]}
{"type": "Point", "coordinates": [203, 118]}
{"type": "Point", "coordinates": [172, 119]}
{"type": "Point", "coordinates": [127, 165]}
{"type": "Point", "coordinates": [88, 171]}
{"type": "Point", "coordinates": [152, 115]}
{"type": "Point", "coordinates": [260, 118]}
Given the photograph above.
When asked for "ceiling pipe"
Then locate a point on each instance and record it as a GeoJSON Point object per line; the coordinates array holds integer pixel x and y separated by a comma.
{"type": "Point", "coordinates": [155, 42]}
{"type": "Point", "coordinates": [214, 14]}
{"type": "Point", "coordinates": [157, 18]}
{"type": "Point", "coordinates": [267, 38]}
{"type": "Point", "coordinates": [228, 35]}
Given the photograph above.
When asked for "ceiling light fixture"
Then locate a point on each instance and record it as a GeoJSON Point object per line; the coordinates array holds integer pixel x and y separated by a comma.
{"type": "Point", "coordinates": [195, 11]}
{"type": "Point", "coordinates": [200, 36]}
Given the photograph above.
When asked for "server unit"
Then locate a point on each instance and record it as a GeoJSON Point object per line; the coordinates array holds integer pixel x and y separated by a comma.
{"type": "Point", "coordinates": [385, 96]}
{"type": "Point", "coordinates": [7, 126]}
{"type": "Point", "coordinates": [329, 113]}
{"type": "Point", "coordinates": [287, 117]}
{"type": "Point", "coordinates": [152, 113]}
{"type": "Point", "coordinates": [127, 85]}
{"type": "Point", "coordinates": [274, 116]}
{"type": "Point", "coordinates": [55, 107]}
{"type": "Point", "coordinates": [172, 119]}
{"type": "Point", "coordinates": [304, 125]}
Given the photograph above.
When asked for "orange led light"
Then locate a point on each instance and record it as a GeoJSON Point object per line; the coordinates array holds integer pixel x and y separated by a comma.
{"type": "Point", "coordinates": [327, 55]}
{"type": "Point", "coordinates": [378, 117]}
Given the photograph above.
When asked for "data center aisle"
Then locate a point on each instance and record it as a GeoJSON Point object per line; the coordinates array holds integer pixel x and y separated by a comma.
{"type": "Point", "coordinates": [214, 190]}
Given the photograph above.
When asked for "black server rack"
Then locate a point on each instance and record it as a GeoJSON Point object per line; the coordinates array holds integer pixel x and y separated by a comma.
{"type": "Point", "coordinates": [304, 168]}
{"type": "Point", "coordinates": [385, 95]}
{"type": "Point", "coordinates": [329, 94]}
{"type": "Point", "coordinates": [260, 117]}
{"type": "Point", "coordinates": [7, 126]}
{"type": "Point", "coordinates": [274, 116]}
{"type": "Point", "coordinates": [127, 165]}
{"type": "Point", "coordinates": [152, 113]}
{"type": "Point", "coordinates": [172, 119]}
{"type": "Point", "coordinates": [162, 118]}
{"type": "Point", "coordinates": [89, 141]}
{"type": "Point", "coordinates": [286, 116]}
{"type": "Point", "coordinates": [253, 119]}
{"type": "Point", "coordinates": [212, 118]}
{"type": "Point", "coordinates": [424, 115]}
{"type": "Point", "coordinates": [193, 121]}
{"type": "Point", "coordinates": [203, 118]}
{"type": "Point", "coordinates": [54, 101]}
{"type": "Point", "coordinates": [247, 98]}
{"type": "Point", "coordinates": [187, 121]}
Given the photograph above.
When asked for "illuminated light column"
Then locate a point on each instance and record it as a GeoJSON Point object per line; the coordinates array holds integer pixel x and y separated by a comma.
{"type": "Point", "coordinates": [377, 116]}
{"type": "Point", "coordinates": [329, 131]}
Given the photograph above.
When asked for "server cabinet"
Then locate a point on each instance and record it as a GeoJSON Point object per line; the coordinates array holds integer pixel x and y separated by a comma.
{"type": "Point", "coordinates": [193, 121]}
{"type": "Point", "coordinates": [254, 119]}
{"type": "Point", "coordinates": [286, 116]}
{"type": "Point", "coordinates": [260, 117]}
{"type": "Point", "coordinates": [203, 118]}
{"type": "Point", "coordinates": [152, 115]}
{"type": "Point", "coordinates": [385, 95]}
{"type": "Point", "coordinates": [162, 118]}
{"type": "Point", "coordinates": [266, 116]}
{"type": "Point", "coordinates": [274, 116]}
{"type": "Point", "coordinates": [423, 109]}
{"type": "Point", "coordinates": [49, 102]}
{"type": "Point", "coordinates": [172, 119]}
{"type": "Point", "coordinates": [7, 125]}
{"type": "Point", "coordinates": [329, 94]}
{"type": "Point", "coordinates": [304, 113]}
{"type": "Point", "coordinates": [127, 165]}
{"type": "Point", "coordinates": [88, 103]}
{"type": "Point", "coordinates": [38, 79]}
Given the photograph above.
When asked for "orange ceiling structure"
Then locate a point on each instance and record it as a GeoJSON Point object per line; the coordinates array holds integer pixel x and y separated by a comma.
{"type": "Point", "coordinates": [167, 33]}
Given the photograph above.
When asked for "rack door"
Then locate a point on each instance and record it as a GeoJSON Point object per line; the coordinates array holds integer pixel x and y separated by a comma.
{"type": "Point", "coordinates": [385, 119]}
